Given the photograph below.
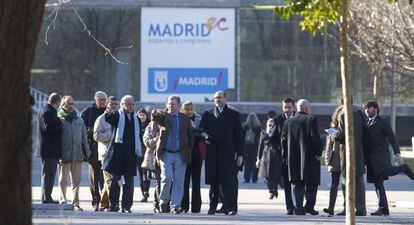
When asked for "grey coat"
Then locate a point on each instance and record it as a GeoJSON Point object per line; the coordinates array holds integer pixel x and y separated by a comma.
{"type": "Point", "coordinates": [74, 141]}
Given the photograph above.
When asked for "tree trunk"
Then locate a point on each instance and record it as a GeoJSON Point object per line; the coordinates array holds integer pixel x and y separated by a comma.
{"type": "Point", "coordinates": [349, 128]}
{"type": "Point", "coordinates": [19, 29]}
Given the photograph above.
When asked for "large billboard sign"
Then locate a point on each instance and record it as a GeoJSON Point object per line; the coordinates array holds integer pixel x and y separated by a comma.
{"type": "Point", "coordinates": [186, 51]}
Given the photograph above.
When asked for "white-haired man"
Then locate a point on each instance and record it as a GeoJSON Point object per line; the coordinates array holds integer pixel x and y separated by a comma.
{"type": "Point", "coordinates": [121, 158]}
{"type": "Point", "coordinates": [301, 150]}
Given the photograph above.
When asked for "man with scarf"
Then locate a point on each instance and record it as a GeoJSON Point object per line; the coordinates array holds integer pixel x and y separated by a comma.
{"type": "Point", "coordinates": [121, 158]}
{"type": "Point", "coordinates": [89, 116]}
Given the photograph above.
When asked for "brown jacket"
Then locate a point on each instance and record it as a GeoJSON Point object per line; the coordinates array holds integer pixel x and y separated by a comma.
{"type": "Point", "coordinates": [186, 139]}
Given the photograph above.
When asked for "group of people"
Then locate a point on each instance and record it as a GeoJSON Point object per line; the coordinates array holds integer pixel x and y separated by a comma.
{"type": "Point", "coordinates": [169, 146]}
{"type": "Point", "coordinates": [290, 149]}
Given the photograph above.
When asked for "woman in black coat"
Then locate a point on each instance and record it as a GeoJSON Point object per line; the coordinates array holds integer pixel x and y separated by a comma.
{"type": "Point", "coordinates": [251, 131]}
{"type": "Point", "coordinates": [269, 158]}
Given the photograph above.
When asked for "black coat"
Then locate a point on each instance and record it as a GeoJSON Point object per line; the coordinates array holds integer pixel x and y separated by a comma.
{"type": "Point", "coordinates": [301, 144]}
{"type": "Point", "coordinates": [226, 139]}
{"type": "Point", "coordinates": [270, 154]}
{"type": "Point", "coordinates": [379, 158]}
{"type": "Point", "coordinates": [361, 141]}
{"type": "Point", "coordinates": [250, 149]}
{"type": "Point", "coordinates": [121, 158]}
{"type": "Point", "coordinates": [49, 134]}
{"type": "Point", "coordinates": [89, 116]}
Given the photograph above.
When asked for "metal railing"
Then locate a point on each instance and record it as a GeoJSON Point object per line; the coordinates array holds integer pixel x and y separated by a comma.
{"type": "Point", "coordinates": [40, 99]}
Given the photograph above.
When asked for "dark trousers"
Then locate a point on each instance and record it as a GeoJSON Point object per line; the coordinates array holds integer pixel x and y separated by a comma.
{"type": "Point", "coordinates": [250, 171]}
{"type": "Point", "coordinates": [96, 181]}
{"type": "Point", "coordinates": [193, 173]}
{"type": "Point", "coordinates": [379, 184]}
{"type": "Point", "coordinates": [228, 194]}
{"type": "Point", "coordinates": [301, 189]}
{"type": "Point", "coordinates": [49, 167]}
{"type": "Point", "coordinates": [144, 179]}
{"type": "Point", "coordinates": [287, 188]}
{"type": "Point", "coordinates": [272, 185]}
{"type": "Point", "coordinates": [333, 192]}
{"type": "Point", "coordinates": [157, 191]}
{"type": "Point", "coordinates": [127, 192]}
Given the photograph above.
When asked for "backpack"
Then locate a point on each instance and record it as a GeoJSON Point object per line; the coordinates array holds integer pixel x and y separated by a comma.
{"type": "Point", "coordinates": [249, 137]}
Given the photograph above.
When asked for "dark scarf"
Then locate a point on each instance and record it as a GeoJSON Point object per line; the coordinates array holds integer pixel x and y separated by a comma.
{"type": "Point", "coordinates": [68, 116]}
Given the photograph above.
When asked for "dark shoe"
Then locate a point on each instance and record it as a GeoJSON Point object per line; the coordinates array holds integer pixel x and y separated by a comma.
{"type": "Point", "coordinates": [211, 211]}
{"type": "Point", "coordinates": [195, 211]}
{"type": "Point", "coordinates": [165, 208]}
{"type": "Point", "coordinates": [96, 208]}
{"type": "Point", "coordinates": [254, 182]}
{"type": "Point", "coordinates": [341, 213]}
{"type": "Point", "coordinates": [408, 171]}
{"type": "Point", "coordinates": [221, 211]}
{"type": "Point", "coordinates": [112, 209]}
{"type": "Point", "coordinates": [381, 212]}
{"type": "Point", "coordinates": [102, 209]}
{"type": "Point", "coordinates": [271, 196]}
{"type": "Point", "coordinates": [176, 211]}
{"type": "Point", "coordinates": [300, 212]}
{"type": "Point", "coordinates": [290, 212]}
{"type": "Point", "coordinates": [231, 213]}
{"type": "Point", "coordinates": [312, 212]}
{"type": "Point", "coordinates": [329, 211]}
{"type": "Point", "coordinates": [126, 210]}
{"type": "Point", "coordinates": [144, 199]}
{"type": "Point", "coordinates": [360, 212]}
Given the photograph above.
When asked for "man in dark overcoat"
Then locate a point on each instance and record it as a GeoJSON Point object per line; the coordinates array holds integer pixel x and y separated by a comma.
{"type": "Point", "coordinates": [121, 158]}
{"type": "Point", "coordinates": [378, 161]}
{"type": "Point", "coordinates": [302, 149]}
{"type": "Point", "coordinates": [223, 132]}
{"type": "Point", "coordinates": [49, 145]}
{"type": "Point", "coordinates": [288, 112]}
{"type": "Point", "coordinates": [89, 116]}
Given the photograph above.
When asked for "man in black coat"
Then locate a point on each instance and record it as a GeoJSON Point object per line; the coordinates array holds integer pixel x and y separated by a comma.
{"type": "Point", "coordinates": [288, 112]}
{"type": "Point", "coordinates": [378, 161]}
{"type": "Point", "coordinates": [223, 132]}
{"type": "Point", "coordinates": [302, 149]}
{"type": "Point", "coordinates": [89, 116]}
{"type": "Point", "coordinates": [123, 152]}
{"type": "Point", "coordinates": [49, 145]}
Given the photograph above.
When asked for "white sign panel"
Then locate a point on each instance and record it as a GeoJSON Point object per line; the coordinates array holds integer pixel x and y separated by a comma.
{"type": "Point", "coordinates": [188, 52]}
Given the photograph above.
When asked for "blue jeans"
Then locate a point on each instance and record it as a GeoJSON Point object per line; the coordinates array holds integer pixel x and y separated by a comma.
{"type": "Point", "coordinates": [172, 178]}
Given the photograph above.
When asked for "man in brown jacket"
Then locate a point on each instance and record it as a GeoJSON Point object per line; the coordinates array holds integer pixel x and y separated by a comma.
{"type": "Point", "coordinates": [173, 152]}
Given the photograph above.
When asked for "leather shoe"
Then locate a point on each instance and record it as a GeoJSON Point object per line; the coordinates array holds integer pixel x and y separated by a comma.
{"type": "Point", "coordinates": [144, 199]}
{"type": "Point", "coordinates": [126, 210]}
{"type": "Point", "coordinates": [165, 208]}
{"type": "Point", "coordinates": [312, 212]}
{"type": "Point", "coordinates": [156, 210]}
{"type": "Point", "coordinates": [231, 213]}
{"type": "Point", "coordinates": [290, 212]}
{"type": "Point", "coordinates": [221, 211]}
{"type": "Point", "coordinates": [271, 196]}
{"type": "Point", "coordinates": [211, 211]}
{"type": "Point", "coordinates": [300, 212]}
{"type": "Point", "coordinates": [381, 212]}
{"type": "Point", "coordinates": [408, 171]}
{"type": "Point", "coordinates": [360, 212]}
{"type": "Point", "coordinates": [329, 211]}
{"type": "Point", "coordinates": [176, 211]}
{"type": "Point", "coordinates": [341, 213]}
